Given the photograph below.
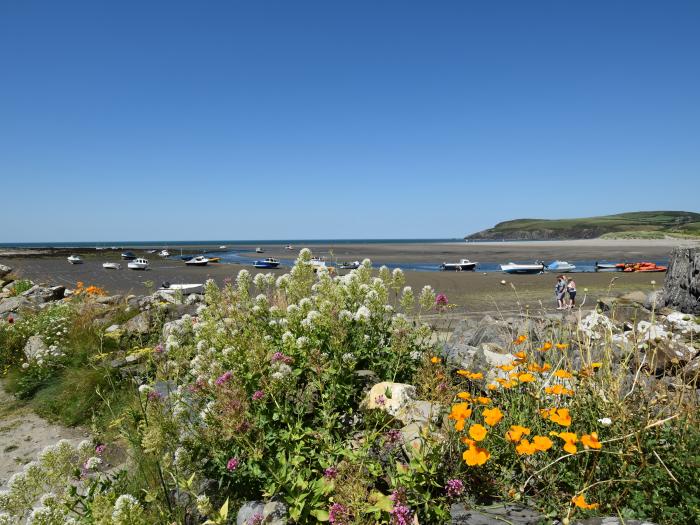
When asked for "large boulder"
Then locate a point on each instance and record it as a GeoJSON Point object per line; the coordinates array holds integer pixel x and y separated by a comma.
{"type": "Point", "coordinates": [399, 400]}
{"type": "Point", "coordinates": [497, 514]}
{"type": "Point", "coordinates": [682, 284]}
{"type": "Point", "coordinates": [271, 513]}
{"type": "Point", "coordinates": [139, 324]}
{"type": "Point", "coordinates": [4, 270]}
{"type": "Point", "coordinates": [12, 304]}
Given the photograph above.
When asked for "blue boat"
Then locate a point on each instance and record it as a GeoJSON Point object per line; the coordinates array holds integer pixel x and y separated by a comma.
{"type": "Point", "coordinates": [268, 263]}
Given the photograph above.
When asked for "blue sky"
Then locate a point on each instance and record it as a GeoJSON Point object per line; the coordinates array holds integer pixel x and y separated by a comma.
{"type": "Point", "coordinates": [316, 119]}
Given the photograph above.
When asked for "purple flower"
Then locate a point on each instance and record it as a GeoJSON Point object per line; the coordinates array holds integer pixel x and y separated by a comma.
{"type": "Point", "coordinates": [224, 378]}
{"type": "Point", "coordinates": [233, 463]}
{"type": "Point", "coordinates": [99, 449]}
{"type": "Point", "coordinates": [158, 349]}
{"type": "Point", "coordinates": [338, 514]}
{"type": "Point", "coordinates": [331, 472]}
{"type": "Point", "coordinates": [393, 436]}
{"type": "Point", "coordinates": [454, 488]}
{"type": "Point", "coordinates": [279, 356]}
{"type": "Point", "coordinates": [380, 400]}
{"type": "Point", "coordinates": [154, 395]}
{"type": "Point", "coordinates": [258, 395]}
{"type": "Point", "coordinates": [256, 519]}
{"type": "Point", "coordinates": [401, 514]}
{"type": "Point", "coordinates": [441, 300]}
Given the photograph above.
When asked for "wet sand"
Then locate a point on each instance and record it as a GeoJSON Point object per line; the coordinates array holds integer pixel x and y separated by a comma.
{"type": "Point", "coordinates": [471, 291]}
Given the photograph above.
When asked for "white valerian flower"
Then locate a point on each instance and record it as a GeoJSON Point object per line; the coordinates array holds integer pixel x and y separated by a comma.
{"type": "Point", "coordinates": [287, 336]}
{"type": "Point", "coordinates": [281, 370]}
{"type": "Point", "coordinates": [93, 463]}
{"type": "Point", "coordinates": [145, 389]}
{"type": "Point", "coordinates": [25, 365]}
{"type": "Point", "coordinates": [256, 309]}
{"type": "Point", "coordinates": [302, 341]}
{"type": "Point", "coordinates": [127, 510]}
{"type": "Point", "coordinates": [348, 357]}
{"type": "Point", "coordinates": [305, 302]}
{"type": "Point", "coordinates": [261, 298]}
{"type": "Point", "coordinates": [344, 315]}
{"type": "Point", "coordinates": [259, 281]}
{"type": "Point", "coordinates": [292, 309]}
{"type": "Point", "coordinates": [605, 421]}
{"type": "Point", "coordinates": [362, 314]}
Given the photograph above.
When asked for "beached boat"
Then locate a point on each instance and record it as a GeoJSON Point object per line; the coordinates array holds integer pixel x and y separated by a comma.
{"type": "Point", "coordinates": [185, 289]}
{"type": "Point", "coordinates": [151, 251]}
{"type": "Point", "coordinates": [289, 247]}
{"type": "Point", "coordinates": [214, 259]}
{"type": "Point", "coordinates": [318, 262]}
{"type": "Point", "coordinates": [200, 260]}
{"type": "Point", "coordinates": [75, 259]}
{"type": "Point", "coordinates": [128, 256]}
{"type": "Point", "coordinates": [349, 265]}
{"type": "Point", "coordinates": [522, 268]}
{"type": "Point", "coordinates": [164, 253]}
{"type": "Point", "coordinates": [465, 265]}
{"type": "Point", "coordinates": [111, 266]}
{"type": "Point", "coordinates": [222, 247]}
{"type": "Point", "coordinates": [561, 267]}
{"type": "Point", "coordinates": [267, 263]}
{"type": "Point", "coordinates": [608, 267]}
{"type": "Point", "coordinates": [643, 267]}
{"type": "Point", "coordinates": [259, 250]}
{"type": "Point", "coordinates": [138, 264]}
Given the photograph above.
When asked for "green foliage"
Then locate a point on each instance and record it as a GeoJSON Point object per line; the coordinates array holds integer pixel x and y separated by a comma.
{"type": "Point", "coordinates": [20, 286]}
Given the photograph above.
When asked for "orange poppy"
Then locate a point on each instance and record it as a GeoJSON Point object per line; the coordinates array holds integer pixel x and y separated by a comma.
{"type": "Point", "coordinates": [580, 502]}
{"type": "Point", "coordinates": [516, 433]}
{"type": "Point", "coordinates": [477, 432]}
{"type": "Point", "coordinates": [475, 456]}
{"type": "Point", "coordinates": [492, 416]}
{"type": "Point", "coordinates": [591, 441]}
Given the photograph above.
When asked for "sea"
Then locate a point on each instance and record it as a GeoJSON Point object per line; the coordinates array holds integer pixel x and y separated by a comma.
{"type": "Point", "coordinates": [235, 250]}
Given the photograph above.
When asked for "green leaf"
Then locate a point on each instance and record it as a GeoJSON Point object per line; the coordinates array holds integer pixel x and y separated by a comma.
{"type": "Point", "coordinates": [320, 515]}
{"type": "Point", "coordinates": [223, 511]}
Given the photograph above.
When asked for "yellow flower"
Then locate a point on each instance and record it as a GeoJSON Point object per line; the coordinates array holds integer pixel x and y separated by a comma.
{"type": "Point", "coordinates": [483, 400]}
{"type": "Point", "coordinates": [562, 346]}
{"type": "Point", "coordinates": [560, 416]}
{"type": "Point", "coordinates": [492, 386]}
{"type": "Point", "coordinates": [464, 395]}
{"type": "Point", "coordinates": [506, 368]}
{"type": "Point", "coordinates": [470, 375]}
{"type": "Point", "coordinates": [597, 364]}
{"type": "Point", "coordinates": [559, 390]}
{"type": "Point", "coordinates": [525, 447]}
{"type": "Point", "coordinates": [545, 347]}
{"type": "Point", "coordinates": [542, 443]}
{"type": "Point", "coordinates": [520, 340]}
{"type": "Point", "coordinates": [570, 439]}
{"type": "Point", "coordinates": [520, 355]}
{"type": "Point", "coordinates": [526, 378]}
{"type": "Point", "coordinates": [580, 502]}
{"type": "Point", "coordinates": [492, 416]}
{"type": "Point", "coordinates": [435, 360]}
{"type": "Point", "coordinates": [477, 432]}
{"type": "Point", "coordinates": [563, 374]}
{"type": "Point", "coordinates": [460, 413]}
{"type": "Point", "coordinates": [591, 441]}
{"type": "Point", "coordinates": [516, 433]}
{"type": "Point", "coordinates": [475, 456]}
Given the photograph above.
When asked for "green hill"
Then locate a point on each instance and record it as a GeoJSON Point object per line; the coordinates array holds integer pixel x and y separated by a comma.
{"type": "Point", "coordinates": [642, 224]}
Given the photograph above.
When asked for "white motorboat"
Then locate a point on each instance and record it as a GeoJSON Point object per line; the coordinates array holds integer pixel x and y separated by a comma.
{"type": "Point", "coordinates": [111, 266]}
{"type": "Point", "coordinates": [222, 247]}
{"type": "Point", "coordinates": [138, 264]}
{"type": "Point", "coordinates": [561, 267]}
{"type": "Point", "coordinates": [164, 253]}
{"type": "Point", "coordinates": [318, 262]}
{"type": "Point", "coordinates": [200, 260]}
{"type": "Point", "coordinates": [259, 250]}
{"type": "Point", "coordinates": [465, 265]}
{"type": "Point", "coordinates": [185, 289]}
{"type": "Point", "coordinates": [349, 265]}
{"type": "Point", "coordinates": [75, 259]}
{"type": "Point", "coordinates": [522, 268]}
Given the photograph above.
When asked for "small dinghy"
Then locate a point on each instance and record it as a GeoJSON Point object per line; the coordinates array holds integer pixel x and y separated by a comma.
{"type": "Point", "coordinates": [185, 289]}
{"type": "Point", "coordinates": [349, 265]}
{"type": "Point", "coordinates": [200, 260]}
{"type": "Point", "coordinates": [164, 253]}
{"type": "Point", "coordinates": [289, 247]}
{"type": "Point", "coordinates": [269, 263]}
{"type": "Point", "coordinates": [128, 256]}
{"type": "Point", "coordinates": [138, 264]}
{"type": "Point", "coordinates": [214, 259]}
{"type": "Point", "coordinates": [561, 267]}
{"type": "Point", "coordinates": [259, 250]}
{"type": "Point", "coordinates": [75, 259]}
{"type": "Point", "coordinates": [111, 266]}
{"type": "Point", "coordinates": [522, 268]}
{"type": "Point", "coordinates": [465, 265]}
{"type": "Point", "coordinates": [607, 267]}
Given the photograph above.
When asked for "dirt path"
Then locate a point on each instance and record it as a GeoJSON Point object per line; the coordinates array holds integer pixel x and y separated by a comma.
{"type": "Point", "coordinates": [23, 435]}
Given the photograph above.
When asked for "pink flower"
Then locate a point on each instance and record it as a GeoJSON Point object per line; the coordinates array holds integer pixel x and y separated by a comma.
{"type": "Point", "coordinates": [454, 488]}
{"type": "Point", "coordinates": [330, 472]}
{"type": "Point", "coordinates": [224, 378]}
{"type": "Point", "coordinates": [258, 395]}
{"type": "Point", "coordinates": [338, 514]}
{"type": "Point", "coordinates": [99, 449]}
{"type": "Point", "coordinates": [279, 356]}
{"type": "Point", "coordinates": [158, 349]}
{"type": "Point", "coordinates": [154, 395]}
{"type": "Point", "coordinates": [441, 300]}
{"type": "Point", "coordinates": [233, 463]}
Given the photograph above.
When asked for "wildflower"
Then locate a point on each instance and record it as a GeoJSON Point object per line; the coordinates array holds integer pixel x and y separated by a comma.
{"type": "Point", "coordinates": [526, 378]}
{"type": "Point", "coordinates": [562, 346]}
{"type": "Point", "coordinates": [492, 386]}
{"type": "Point", "coordinates": [223, 378]}
{"type": "Point", "coordinates": [570, 439]}
{"type": "Point", "coordinates": [401, 514]}
{"type": "Point", "coordinates": [158, 349]}
{"type": "Point", "coordinates": [483, 400]}
{"type": "Point", "coordinates": [278, 357]}
{"type": "Point", "coordinates": [591, 441]}
{"type": "Point", "coordinates": [477, 432]}
{"type": "Point", "coordinates": [542, 443]}
{"type": "Point", "coordinates": [560, 416]}
{"type": "Point", "coordinates": [99, 449]}
{"type": "Point", "coordinates": [380, 400]}
{"type": "Point", "coordinates": [546, 346]}
{"type": "Point", "coordinates": [580, 502]}
{"type": "Point", "coordinates": [154, 395]}
{"type": "Point", "coordinates": [256, 519]}
{"type": "Point", "coordinates": [559, 390]}
{"type": "Point", "coordinates": [454, 488]}
{"type": "Point", "coordinates": [441, 300]}
{"type": "Point", "coordinates": [470, 375]}
{"type": "Point", "coordinates": [92, 463]}
{"type": "Point", "coordinates": [393, 436]}
{"type": "Point", "coordinates": [338, 514]}
{"type": "Point", "coordinates": [363, 314]}
{"type": "Point", "coordinates": [232, 464]}
{"type": "Point", "coordinates": [10, 319]}
{"type": "Point", "coordinates": [435, 360]}
{"type": "Point", "coordinates": [460, 413]}
{"type": "Point", "coordinates": [516, 432]}
{"type": "Point", "coordinates": [506, 368]}
{"type": "Point", "coordinates": [563, 374]}
{"type": "Point", "coordinates": [597, 364]}
{"type": "Point", "coordinates": [330, 473]}
{"type": "Point", "coordinates": [520, 340]}
{"type": "Point", "coordinates": [464, 395]}
{"type": "Point", "coordinates": [258, 395]}
{"type": "Point", "coordinates": [606, 421]}
{"type": "Point", "coordinates": [475, 456]}
{"type": "Point", "coordinates": [526, 448]}
{"type": "Point", "coordinates": [492, 416]}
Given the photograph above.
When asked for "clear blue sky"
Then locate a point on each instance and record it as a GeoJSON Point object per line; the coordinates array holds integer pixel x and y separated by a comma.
{"type": "Point", "coordinates": [322, 119]}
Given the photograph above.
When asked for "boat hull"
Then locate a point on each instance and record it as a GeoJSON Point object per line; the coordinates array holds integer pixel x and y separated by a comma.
{"type": "Point", "coordinates": [265, 265]}
{"type": "Point", "coordinates": [185, 289]}
{"type": "Point", "coordinates": [137, 266]}
{"type": "Point", "coordinates": [449, 267]}
{"type": "Point", "coordinates": [196, 263]}
{"type": "Point", "coordinates": [522, 270]}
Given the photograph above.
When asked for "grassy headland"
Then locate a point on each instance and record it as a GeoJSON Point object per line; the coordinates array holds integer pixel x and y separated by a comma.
{"type": "Point", "coordinates": [644, 224]}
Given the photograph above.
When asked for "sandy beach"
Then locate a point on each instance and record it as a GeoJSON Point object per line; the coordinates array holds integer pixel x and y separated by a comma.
{"type": "Point", "coordinates": [469, 290]}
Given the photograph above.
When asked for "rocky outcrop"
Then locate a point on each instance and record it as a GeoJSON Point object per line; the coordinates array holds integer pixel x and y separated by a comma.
{"type": "Point", "coordinates": [4, 270]}
{"type": "Point", "coordinates": [253, 512]}
{"type": "Point", "coordinates": [682, 284]}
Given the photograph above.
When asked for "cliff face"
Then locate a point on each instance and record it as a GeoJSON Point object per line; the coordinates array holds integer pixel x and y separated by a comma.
{"type": "Point", "coordinates": [535, 235]}
{"type": "Point", "coordinates": [682, 284]}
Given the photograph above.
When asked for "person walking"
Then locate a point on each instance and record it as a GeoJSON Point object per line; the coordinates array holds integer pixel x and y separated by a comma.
{"type": "Point", "coordinates": [571, 288]}
{"type": "Point", "coordinates": [560, 291]}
